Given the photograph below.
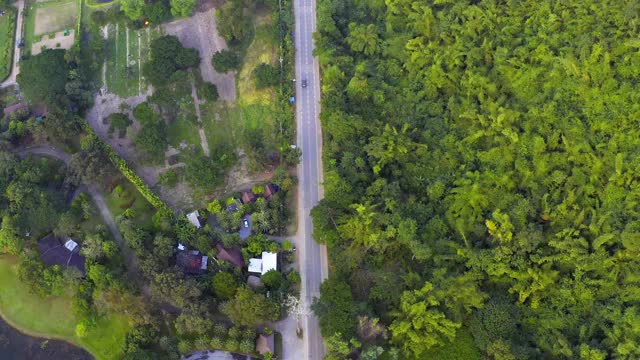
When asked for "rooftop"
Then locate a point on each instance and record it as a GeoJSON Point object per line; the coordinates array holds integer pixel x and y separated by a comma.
{"type": "Point", "coordinates": [54, 252]}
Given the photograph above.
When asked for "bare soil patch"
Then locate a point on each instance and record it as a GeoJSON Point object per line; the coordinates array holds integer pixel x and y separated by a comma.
{"type": "Point", "coordinates": [59, 41]}
{"type": "Point", "coordinates": [55, 18]}
{"type": "Point", "coordinates": [200, 32]}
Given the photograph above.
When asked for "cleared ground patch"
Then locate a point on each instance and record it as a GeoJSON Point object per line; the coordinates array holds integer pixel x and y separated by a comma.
{"type": "Point", "coordinates": [60, 40]}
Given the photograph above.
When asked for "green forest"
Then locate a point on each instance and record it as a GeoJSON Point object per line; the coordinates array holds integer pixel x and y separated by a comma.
{"type": "Point", "coordinates": [482, 190]}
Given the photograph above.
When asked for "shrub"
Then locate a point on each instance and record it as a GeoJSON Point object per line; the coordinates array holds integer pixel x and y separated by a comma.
{"type": "Point", "coordinates": [225, 60]}
{"type": "Point", "coordinates": [209, 92]}
{"type": "Point", "coordinates": [266, 75]}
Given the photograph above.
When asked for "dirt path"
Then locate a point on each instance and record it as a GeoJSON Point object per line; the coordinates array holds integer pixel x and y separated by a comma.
{"type": "Point", "coordinates": [203, 137]}
{"type": "Point", "coordinates": [200, 32]}
{"type": "Point", "coordinates": [98, 199]}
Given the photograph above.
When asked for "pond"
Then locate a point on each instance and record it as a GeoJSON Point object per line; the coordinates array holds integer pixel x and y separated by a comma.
{"type": "Point", "coordinates": [15, 345]}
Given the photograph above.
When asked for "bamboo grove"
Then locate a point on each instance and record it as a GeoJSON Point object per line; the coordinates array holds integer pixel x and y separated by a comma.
{"type": "Point", "coordinates": [482, 178]}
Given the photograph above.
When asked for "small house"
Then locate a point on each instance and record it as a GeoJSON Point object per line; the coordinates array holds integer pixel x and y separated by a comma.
{"type": "Point", "coordinates": [232, 256]}
{"type": "Point", "coordinates": [193, 219]}
{"type": "Point", "coordinates": [265, 344]}
{"type": "Point", "coordinates": [66, 253]}
{"type": "Point", "coordinates": [268, 262]}
{"type": "Point", "coordinates": [192, 262]}
{"type": "Point", "coordinates": [269, 190]}
{"type": "Point", "coordinates": [248, 197]}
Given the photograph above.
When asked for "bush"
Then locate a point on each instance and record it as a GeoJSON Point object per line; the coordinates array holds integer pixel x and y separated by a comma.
{"type": "Point", "coordinates": [209, 91]}
{"type": "Point", "coordinates": [169, 178]}
{"type": "Point", "coordinates": [225, 60]}
{"type": "Point", "coordinates": [99, 18]}
{"type": "Point", "coordinates": [120, 122]}
{"type": "Point", "coordinates": [266, 75]}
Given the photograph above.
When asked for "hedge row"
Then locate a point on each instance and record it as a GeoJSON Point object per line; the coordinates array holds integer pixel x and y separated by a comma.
{"type": "Point", "coordinates": [136, 180]}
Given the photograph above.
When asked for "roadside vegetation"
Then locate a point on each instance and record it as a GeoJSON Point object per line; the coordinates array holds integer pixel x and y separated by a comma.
{"type": "Point", "coordinates": [480, 162]}
{"type": "Point", "coordinates": [7, 40]}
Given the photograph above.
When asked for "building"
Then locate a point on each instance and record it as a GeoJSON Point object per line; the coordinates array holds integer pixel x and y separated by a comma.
{"type": "Point", "coordinates": [269, 190]}
{"type": "Point", "coordinates": [193, 218]}
{"type": "Point", "coordinates": [265, 344]}
{"type": "Point", "coordinates": [248, 197]}
{"type": "Point", "coordinates": [268, 262]}
{"type": "Point", "coordinates": [13, 108]}
{"type": "Point", "coordinates": [192, 262]}
{"type": "Point", "coordinates": [232, 256]}
{"type": "Point", "coordinates": [55, 251]}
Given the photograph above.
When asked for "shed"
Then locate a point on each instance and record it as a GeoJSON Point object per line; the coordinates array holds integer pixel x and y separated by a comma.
{"type": "Point", "coordinates": [193, 218]}
{"type": "Point", "coordinates": [248, 197]}
{"type": "Point", "coordinates": [233, 255]}
{"type": "Point", "coordinates": [265, 344]}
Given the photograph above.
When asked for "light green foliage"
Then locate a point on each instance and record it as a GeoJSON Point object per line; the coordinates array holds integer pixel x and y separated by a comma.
{"type": "Point", "coordinates": [182, 7]}
{"type": "Point", "coordinates": [224, 285]}
{"type": "Point", "coordinates": [249, 308]}
{"type": "Point", "coordinates": [132, 8]}
{"type": "Point", "coordinates": [472, 146]}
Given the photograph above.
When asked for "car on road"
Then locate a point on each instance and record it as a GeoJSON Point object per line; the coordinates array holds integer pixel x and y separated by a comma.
{"type": "Point", "coordinates": [304, 83]}
{"type": "Point", "coordinates": [246, 223]}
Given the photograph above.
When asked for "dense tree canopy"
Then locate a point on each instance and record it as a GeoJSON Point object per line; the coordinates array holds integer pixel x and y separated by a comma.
{"type": "Point", "coordinates": [42, 77]}
{"type": "Point", "coordinates": [167, 57]}
{"type": "Point", "coordinates": [492, 145]}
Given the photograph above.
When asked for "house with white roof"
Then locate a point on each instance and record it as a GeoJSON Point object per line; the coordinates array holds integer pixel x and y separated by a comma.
{"type": "Point", "coordinates": [193, 219]}
{"type": "Point", "coordinates": [268, 262]}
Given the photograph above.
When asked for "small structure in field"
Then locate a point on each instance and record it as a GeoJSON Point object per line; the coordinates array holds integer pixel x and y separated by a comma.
{"type": "Point", "coordinates": [55, 251]}
{"type": "Point", "coordinates": [194, 219]}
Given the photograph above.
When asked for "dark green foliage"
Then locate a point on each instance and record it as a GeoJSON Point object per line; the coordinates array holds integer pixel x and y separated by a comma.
{"type": "Point", "coordinates": [42, 77]}
{"type": "Point", "coordinates": [99, 18]}
{"type": "Point", "coordinates": [266, 75]}
{"type": "Point", "coordinates": [156, 12]}
{"type": "Point", "coordinates": [152, 138]}
{"type": "Point", "coordinates": [208, 91]}
{"type": "Point", "coordinates": [335, 308]}
{"type": "Point", "coordinates": [272, 279]}
{"type": "Point", "coordinates": [225, 60]}
{"type": "Point", "coordinates": [120, 122]}
{"type": "Point", "coordinates": [232, 23]}
{"type": "Point", "coordinates": [249, 308]}
{"type": "Point", "coordinates": [224, 285]}
{"type": "Point", "coordinates": [167, 57]}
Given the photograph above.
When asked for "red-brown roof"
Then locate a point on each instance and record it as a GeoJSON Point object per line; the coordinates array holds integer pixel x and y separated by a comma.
{"type": "Point", "coordinates": [233, 255]}
{"type": "Point", "coordinates": [265, 344]}
{"type": "Point", "coordinates": [269, 190]}
{"type": "Point", "coordinates": [248, 197]}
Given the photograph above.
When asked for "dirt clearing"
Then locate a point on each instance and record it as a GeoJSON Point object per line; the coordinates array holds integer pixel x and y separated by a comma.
{"type": "Point", "coordinates": [200, 32]}
{"type": "Point", "coordinates": [59, 41]}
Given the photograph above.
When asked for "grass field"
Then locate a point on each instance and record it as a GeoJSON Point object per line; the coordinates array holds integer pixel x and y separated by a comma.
{"type": "Point", "coordinates": [263, 49]}
{"type": "Point", "coordinates": [46, 18]}
{"type": "Point", "coordinates": [52, 317]}
{"type": "Point", "coordinates": [7, 41]}
{"type": "Point", "coordinates": [126, 51]}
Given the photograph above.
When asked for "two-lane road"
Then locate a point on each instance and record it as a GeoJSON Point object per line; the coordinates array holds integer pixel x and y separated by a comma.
{"type": "Point", "coordinates": [312, 256]}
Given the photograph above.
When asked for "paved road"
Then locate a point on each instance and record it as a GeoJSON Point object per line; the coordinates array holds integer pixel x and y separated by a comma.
{"type": "Point", "coordinates": [11, 80]}
{"type": "Point", "coordinates": [312, 256]}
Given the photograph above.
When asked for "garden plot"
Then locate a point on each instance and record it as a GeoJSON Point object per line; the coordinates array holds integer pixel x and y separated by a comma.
{"type": "Point", "coordinates": [126, 52]}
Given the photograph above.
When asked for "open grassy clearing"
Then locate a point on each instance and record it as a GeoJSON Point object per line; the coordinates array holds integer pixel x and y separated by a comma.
{"type": "Point", "coordinates": [7, 41]}
{"type": "Point", "coordinates": [263, 49]}
{"type": "Point", "coordinates": [46, 18]}
{"type": "Point", "coordinates": [52, 316]}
